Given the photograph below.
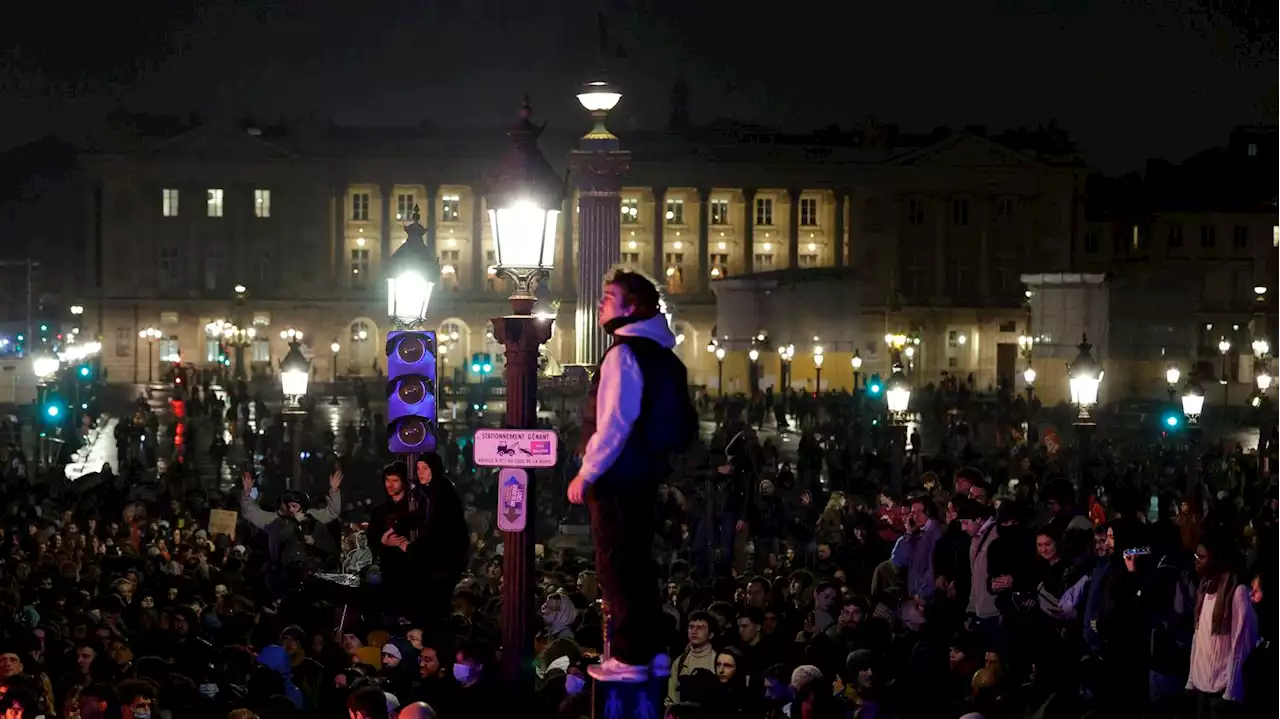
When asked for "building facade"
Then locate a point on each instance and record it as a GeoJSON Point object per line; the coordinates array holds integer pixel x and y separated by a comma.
{"type": "Point", "coordinates": [273, 230]}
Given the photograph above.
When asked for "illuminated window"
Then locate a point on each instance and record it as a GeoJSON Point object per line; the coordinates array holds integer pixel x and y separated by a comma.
{"type": "Point", "coordinates": [763, 261]}
{"type": "Point", "coordinates": [404, 208]}
{"type": "Point", "coordinates": [720, 212]}
{"type": "Point", "coordinates": [262, 203]}
{"type": "Point", "coordinates": [719, 265]}
{"type": "Point", "coordinates": [630, 211]}
{"type": "Point", "coordinates": [675, 212]}
{"type": "Point", "coordinates": [359, 268]}
{"type": "Point", "coordinates": [449, 207]}
{"type": "Point", "coordinates": [215, 203]}
{"type": "Point", "coordinates": [169, 349]}
{"type": "Point", "coordinates": [360, 206]}
{"type": "Point", "coordinates": [808, 211]}
{"type": "Point", "coordinates": [449, 261]}
{"type": "Point", "coordinates": [764, 211]}
{"type": "Point", "coordinates": [169, 202]}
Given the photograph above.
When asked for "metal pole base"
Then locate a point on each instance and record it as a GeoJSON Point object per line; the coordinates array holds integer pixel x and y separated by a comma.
{"type": "Point", "coordinates": [614, 700]}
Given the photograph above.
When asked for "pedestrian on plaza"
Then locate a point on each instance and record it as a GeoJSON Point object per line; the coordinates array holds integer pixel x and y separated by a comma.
{"type": "Point", "coordinates": [637, 415]}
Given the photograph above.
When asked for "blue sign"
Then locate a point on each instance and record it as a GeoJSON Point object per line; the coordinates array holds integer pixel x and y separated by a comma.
{"type": "Point", "coordinates": [513, 499]}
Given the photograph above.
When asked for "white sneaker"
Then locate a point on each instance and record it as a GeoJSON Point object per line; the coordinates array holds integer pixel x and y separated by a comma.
{"type": "Point", "coordinates": [661, 666]}
{"type": "Point", "coordinates": [612, 670]}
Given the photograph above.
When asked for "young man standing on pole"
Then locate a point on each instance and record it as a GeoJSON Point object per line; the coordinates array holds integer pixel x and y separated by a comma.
{"type": "Point", "coordinates": [638, 414]}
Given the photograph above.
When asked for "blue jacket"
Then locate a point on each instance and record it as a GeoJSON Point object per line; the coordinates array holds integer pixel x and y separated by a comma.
{"type": "Point", "coordinates": [914, 553]}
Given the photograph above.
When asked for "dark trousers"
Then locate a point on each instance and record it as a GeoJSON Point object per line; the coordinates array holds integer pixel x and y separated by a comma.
{"type": "Point", "coordinates": [623, 525]}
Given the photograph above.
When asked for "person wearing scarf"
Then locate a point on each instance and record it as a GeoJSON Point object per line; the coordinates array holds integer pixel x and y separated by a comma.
{"type": "Point", "coordinates": [1226, 631]}
{"type": "Point", "coordinates": [559, 614]}
{"type": "Point", "coordinates": [396, 530]}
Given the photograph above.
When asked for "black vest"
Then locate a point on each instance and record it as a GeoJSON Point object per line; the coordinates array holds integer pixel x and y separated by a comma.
{"type": "Point", "coordinates": [664, 374]}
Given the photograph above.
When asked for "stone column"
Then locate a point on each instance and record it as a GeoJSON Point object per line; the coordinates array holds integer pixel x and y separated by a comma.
{"type": "Point", "coordinates": [598, 166]}
{"type": "Point", "coordinates": [793, 228]}
{"type": "Point", "coordinates": [659, 232]}
{"type": "Point", "coordinates": [339, 240]}
{"type": "Point", "coordinates": [748, 230]}
{"type": "Point", "coordinates": [478, 269]}
{"type": "Point", "coordinates": [567, 268]}
{"type": "Point", "coordinates": [704, 240]}
{"type": "Point", "coordinates": [384, 223]}
{"type": "Point", "coordinates": [431, 218]}
{"type": "Point", "coordinates": [838, 244]}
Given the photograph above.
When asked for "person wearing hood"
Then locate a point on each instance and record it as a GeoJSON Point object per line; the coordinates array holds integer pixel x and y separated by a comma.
{"type": "Point", "coordinates": [638, 414]}
{"type": "Point", "coordinates": [275, 658]}
{"type": "Point", "coordinates": [293, 534]}
{"type": "Point", "coordinates": [559, 614]}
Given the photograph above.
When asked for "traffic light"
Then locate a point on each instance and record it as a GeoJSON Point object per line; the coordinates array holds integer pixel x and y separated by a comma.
{"type": "Point", "coordinates": [475, 362]}
{"type": "Point", "coordinates": [84, 371]}
{"type": "Point", "coordinates": [411, 392]}
{"type": "Point", "coordinates": [482, 363]}
{"type": "Point", "coordinates": [874, 385]}
{"type": "Point", "coordinates": [1171, 420]}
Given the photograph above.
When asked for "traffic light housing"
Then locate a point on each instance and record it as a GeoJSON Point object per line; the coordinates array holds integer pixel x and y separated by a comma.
{"type": "Point", "coordinates": [874, 385]}
{"type": "Point", "coordinates": [1171, 420]}
{"type": "Point", "coordinates": [482, 363]}
{"type": "Point", "coordinates": [84, 372]}
{"type": "Point", "coordinates": [411, 391]}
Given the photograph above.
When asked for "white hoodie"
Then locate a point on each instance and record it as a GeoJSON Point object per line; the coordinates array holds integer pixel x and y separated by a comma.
{"type": "Point", "coordinates": [618, 397]}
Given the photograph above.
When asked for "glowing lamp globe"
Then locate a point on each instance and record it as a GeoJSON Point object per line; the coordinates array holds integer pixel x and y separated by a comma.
{"type": "Point", "coordinates": [1029, 375]}
{"type": "Point", "coordinates": [1192, 400]}
{"type": "Point", "coordinates": [1172, 375]}
{"type": "Point", "coordinates": [897, 391]}
{"type": "Point", "coordinates": [412, 271]}
{"type": "Point", "coordinates": [524, 233]}
{"type": "Point", "coordinates": [295, 371]}
{"type": "Point", "coordinates": [856, 361]}
{"type": "Point", "coordinates": [720, 354]}
{"type": "Point", "coordinates": [1085, 375]}
{"type": "Point", "coordinates": [1264, 380]}
{"type": "Point", "coordinates": [599, 96]}
{"type": "Point", "coordinates": [754, 354]}
{"type": "Point", "coordinates": [45, 366]}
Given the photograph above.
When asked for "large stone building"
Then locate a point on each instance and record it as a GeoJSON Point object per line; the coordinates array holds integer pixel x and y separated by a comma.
{"type": "Point", "coordinates": [276, 228]}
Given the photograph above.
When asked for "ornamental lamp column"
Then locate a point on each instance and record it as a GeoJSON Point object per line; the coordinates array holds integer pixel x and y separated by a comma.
{"type": "Point", "coordinates": [524, 199]}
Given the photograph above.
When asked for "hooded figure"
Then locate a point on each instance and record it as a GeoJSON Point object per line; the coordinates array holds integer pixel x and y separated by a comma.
{"type": "Point", "coordinates": [275, 658]}
{"type": "Point", "coordinates": [559, 614]}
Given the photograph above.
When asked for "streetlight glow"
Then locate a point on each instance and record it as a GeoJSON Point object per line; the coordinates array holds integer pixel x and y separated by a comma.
{"type": "Point", "coordinates": [1029, 375]}
{"type": "Point", "coordinates": [1264, 381]}
{"type": "Point", "coordinates": [1085, 376]}
{"type": "Point", "coordinates": [599, 96]}
{"type": "Point", "coordinates": [754, 354]}
{"type": "Point", "coordinates": [1192, 401]}
{"type": "Point", "coordinates": [1172, 375]}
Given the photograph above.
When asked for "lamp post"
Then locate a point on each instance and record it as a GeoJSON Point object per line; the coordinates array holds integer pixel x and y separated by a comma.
{"type": "Point", "coordinates": [334, 348]}
{"type": "Point", "coordinates": [1224, 346]}
{"type": "Point", "coordinates": [150, 334]}
{"type": "Point", "coordinates": [1171, 377]}
{"type": "Point", "coordinates": [720, 371]}
{"type": "Point", "coordinates": [1192, 407]}
{"type": "Point", "coordinates": [817, 369]}
{"type": "Point", "coordinates": [598, 167]}
{"type": "Point", "coordinates": [897, 397]}
{"type": "Point", "coordinates": [857, 369]}
{"type": "Point", "coordinates": [786, 353]}
{"type": "Point", "coordinates": [295, 372]}
{"type": "Point", "coordinates": [1029, 379]}
{"type": "Point", "coordinates": [524, 199]}
{"type": "Point", "coordinates": [1084, 377]}
{"type": "Point", "coordinates": [754, 355]}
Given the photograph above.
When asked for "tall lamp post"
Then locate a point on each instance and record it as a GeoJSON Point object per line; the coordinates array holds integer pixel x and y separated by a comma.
{"type": "Point", "coordinates": [524, 199]}
{"type": "Point", "coordinates": [295, 372]}
{"type": "Point", "coordinates": [1192, 407]}
{"type": "Point", "coordinates": [1224, 346]}
{"type": "Point", "coordinates": [334, 348]}
{"type": "Point", "coordinates": [1084, 377]}
{"type": "Point", "coordinates": [856, 362]}
{"type": "Point", "coordinates": [897, 397]}
{"type": "Point", "coordinates": [786, 353]}
{"type": "Point", "coordinates": [598, 164]}
{"type": "Point", "coordinates": [818, 357]}
{"type": "Point", "coordinates": [754, 355]}
{"type": "Point", "coordinates": [411, 273]}
{"type": "Point", "coordinates": [1029, 379]}
{"type": "Point", "coordinates": [720, 371]}
{"type": "Point", "coordinates": [150, 334]}
{"type": "Point", "coordinates": [1171, 377]}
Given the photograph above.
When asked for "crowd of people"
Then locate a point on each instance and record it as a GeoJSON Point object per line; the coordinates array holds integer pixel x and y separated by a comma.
{"type": "Point", "coordinates": [792, 583]}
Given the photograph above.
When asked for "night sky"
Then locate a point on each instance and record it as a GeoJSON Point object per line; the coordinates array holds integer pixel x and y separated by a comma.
{"type": "Point", "coordinates": [1128, 80]}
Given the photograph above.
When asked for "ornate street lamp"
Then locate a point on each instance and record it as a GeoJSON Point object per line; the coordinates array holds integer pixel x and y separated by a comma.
{"type": "Point", "coordinates": [1171, 377]}
{"type": "Point", "coordinates": [856, 362]}
{"type": "Point", "coordinates": [334, 348]}
{"type": "Point", "coordinates": [295, 371]}
{"type": "Point", "coordinates": [720, 370]}
{"type": "Point", "coordinates": [1192, 402]}
{"type": "Point", "coordinates": [1084, 376]}
{"type": "Point", "coordinates": [1029, 379]}
{"type": "Point", "coordinates": [818, 358]}
{"type": "Point", "coordinates": [412, 272]}
{"type": "Point", "coordinates": [897, 397]}
{"type": "Point", "coordinates": [524, 199]}
{"type": "Point", "coordinates": [1263, 379]}
{"type": "Point", "coordinates": [150, 334]}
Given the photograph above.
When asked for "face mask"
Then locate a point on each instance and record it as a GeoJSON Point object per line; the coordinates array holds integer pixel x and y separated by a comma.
{"type": "Point", "coordinates": [462, 672]}
{"type": "Point", "coordinates": [209, 690]}
{"type": "Point", "coordinates": [573, 684]}
{"type": "Point", "coordinates": [142, 714]}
